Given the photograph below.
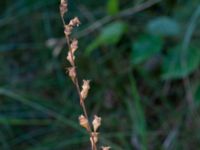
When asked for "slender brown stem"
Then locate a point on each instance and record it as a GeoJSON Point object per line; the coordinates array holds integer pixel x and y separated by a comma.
{"type": "Point", "coordinates": [76, 82]}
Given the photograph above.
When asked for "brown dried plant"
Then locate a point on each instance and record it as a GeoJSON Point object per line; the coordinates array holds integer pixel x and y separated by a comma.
{"type": "Point", "coordinates": [72, 44]}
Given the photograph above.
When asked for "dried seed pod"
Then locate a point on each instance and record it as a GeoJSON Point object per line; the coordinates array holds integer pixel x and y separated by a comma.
{"type": "Point", "coordinates": [85, 88]}
{"type": "Point", "coordinates": [74, 45]}
{"type": "Point", "coordinates": [84, 122]}
{"type": "Point", "coordinates": [72, 73]}
{"type": "Point", "coordinates": [74, 22]}
{"type": "Point", "coordinates": [63, 7]}
{"type": "Point", "coordinates": [105, 147]}
{"type": "Point", "coordinates": [68, 30]}
{"type": "Point", "coordinates": [96, 123]}
{"type": "Point", "coordinates": [94, 138]}
{"type": "Point", "coordinates": [70, 57]}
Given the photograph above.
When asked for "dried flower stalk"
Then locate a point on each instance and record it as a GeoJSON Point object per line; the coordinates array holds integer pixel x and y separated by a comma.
{"type": "Point", "coordinates": [83, 93]}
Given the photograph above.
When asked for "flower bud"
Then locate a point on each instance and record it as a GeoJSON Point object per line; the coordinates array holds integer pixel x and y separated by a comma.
{"type": "Point", "coordinates": [96, 123]}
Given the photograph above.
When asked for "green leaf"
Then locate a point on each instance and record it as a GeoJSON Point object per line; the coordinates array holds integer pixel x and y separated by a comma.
{"type": "Point", "coordinates": [163, 26]}
{"type": "Point", "coordinates": [145, 47]}
{"type": "Point", "coordinates": [110, 35]}
{"type": "Point", "coordinates": [113, 7]}
{"type": "Point", "coordinates": [176, 67]}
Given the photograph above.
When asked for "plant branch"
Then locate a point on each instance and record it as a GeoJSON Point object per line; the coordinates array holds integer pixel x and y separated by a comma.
{"type": "Point", "coordinates": [76, 82]}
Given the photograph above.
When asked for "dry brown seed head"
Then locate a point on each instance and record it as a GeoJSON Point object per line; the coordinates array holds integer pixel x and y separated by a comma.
{"type": "Point", "coordinates": [94, 138]}
{"type": "Point", "coordinates": [96, 123]}
{"type": "Point", "coordinates": [70, 57]}
{"type": "Point", "coordinates": [85, 88]}
{"type": "Point", "coordinates": [105, 147]}
{"type": "Point", "coordinates": [84, 122]}
{"type": "Point", "coordinates": [63, 7]}
{"type": "Point", "coordinates": [68, 30]}
{"type": "Point", "coordinates": [74, 22]}
{"type": "Point", "coordinates": [72, 73]}
{"type": "Point", "coordinates": [74, 45]}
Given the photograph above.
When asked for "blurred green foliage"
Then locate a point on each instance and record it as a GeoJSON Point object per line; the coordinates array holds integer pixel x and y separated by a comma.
{"type": "Point", "coordinates": [143, 63]}
{"type": "Point", "coordinates": [145, 47]}
{"type": "Point", "coordinates": [163, 26]}
{"type": "Point", "coordinates": [113, 7]}
{"type": "Point", "coordinates": [110, 35]}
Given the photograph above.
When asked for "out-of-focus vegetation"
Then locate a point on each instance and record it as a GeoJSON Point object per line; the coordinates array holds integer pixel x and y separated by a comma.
{"type": "Point", "coordinates": [143, 57]}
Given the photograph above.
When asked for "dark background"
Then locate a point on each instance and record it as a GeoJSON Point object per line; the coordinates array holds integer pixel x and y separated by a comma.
{"type": "Point", "coordinates": [142, 57]}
